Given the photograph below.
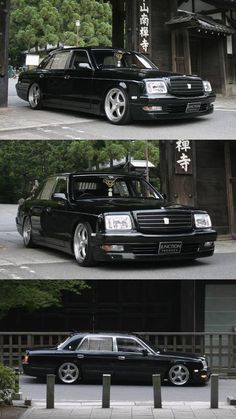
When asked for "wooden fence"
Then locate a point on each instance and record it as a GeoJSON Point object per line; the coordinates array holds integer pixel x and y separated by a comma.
{"type": "Point", "coordinates": [220, 348]}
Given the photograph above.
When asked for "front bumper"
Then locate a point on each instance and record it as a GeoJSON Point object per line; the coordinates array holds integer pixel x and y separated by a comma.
{"type": "Point", "coordinates": [202, 376]}
{"type": "Point", "coordinates": [137, 246]}
{"type": "Point", "coordinates": [172, 107]}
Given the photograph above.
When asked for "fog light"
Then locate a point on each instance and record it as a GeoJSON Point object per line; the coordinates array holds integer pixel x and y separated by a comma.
{"type": "Point", "coordinates": [204, 376]}
{"type": "Point", "coordinates": [208, 244]}
{"type": "Point", "coordinates": [152, 108]}
{"type": "Point", "coordinates": [112, 248]}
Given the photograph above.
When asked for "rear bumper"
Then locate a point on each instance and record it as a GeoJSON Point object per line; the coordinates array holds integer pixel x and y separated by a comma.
{"type": "Point", "coordinates": [137, 246]}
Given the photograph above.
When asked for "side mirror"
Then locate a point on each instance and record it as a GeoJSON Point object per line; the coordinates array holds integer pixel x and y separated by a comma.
{"type": "Point", "coordinates": [59, 196]}
{"type": "Point", "coordinates": [164, 196]}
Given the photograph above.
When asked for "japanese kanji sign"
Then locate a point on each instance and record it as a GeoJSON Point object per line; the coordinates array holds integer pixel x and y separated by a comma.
{"type": "Point", "coordinates": [183, 157]}
{"type": "Point", "coordinates": [144, 17]}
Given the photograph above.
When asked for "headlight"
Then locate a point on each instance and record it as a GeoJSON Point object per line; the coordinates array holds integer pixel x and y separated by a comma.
{"type": "Point", "coordinates": [156, 86]}
{"type": "Point", "coordinates": [204, 363]}
{"type": "Point", "coordinates": [207, 86]}
{"type": "Point", "coordinates": [202, 220]}
{"type": "Point", "coordinates": [118, 222]}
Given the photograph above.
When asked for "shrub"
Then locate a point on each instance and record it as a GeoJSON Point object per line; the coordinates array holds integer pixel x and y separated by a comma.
{"type": "Point", "coordinates": [8, 383]}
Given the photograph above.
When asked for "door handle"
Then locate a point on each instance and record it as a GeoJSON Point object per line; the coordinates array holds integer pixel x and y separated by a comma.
{"type": "Point", "coordinates": [48, 210]}
{"type": "Point", "coordinates": [80, 356]}
{"type": "Point", "coordinates": [67, 76]}
{"type": "Point", "coordinates": [121, 358]}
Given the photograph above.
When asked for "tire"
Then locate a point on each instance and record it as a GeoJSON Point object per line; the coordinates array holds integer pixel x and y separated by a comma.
{"type": "Point", "coordinates": [179, 375]}
{"type": "Point", "coordinates": [116, 106]}
{"type": "Point", "coordinates": [68, 373]}
{"type": "Point", "coordinates": [82, 245]}
{"type": "Point", "coordinates": [35, 96]}
{"type": "Point", "coordinates": [27, 233]}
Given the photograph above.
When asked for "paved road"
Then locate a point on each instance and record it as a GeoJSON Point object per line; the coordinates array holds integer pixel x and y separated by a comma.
{"type": "Point", "coordinates": [35, 389]}
{"type": "Point", "coordinates": [17, 262]}
{"type": "Point", "coordinates": [20, 122]}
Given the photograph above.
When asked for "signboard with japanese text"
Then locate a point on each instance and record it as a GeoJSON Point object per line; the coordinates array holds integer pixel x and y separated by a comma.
{"type": "Point", "coordinates": [183, 157]}
{"type": "Point", "coordinates": [144, 26]}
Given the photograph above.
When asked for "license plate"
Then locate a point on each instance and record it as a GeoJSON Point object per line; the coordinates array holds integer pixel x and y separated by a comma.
{"type": "Point", "coordinates": [169, 248]}
{"type": "Point", "coordinates": [193, 107]}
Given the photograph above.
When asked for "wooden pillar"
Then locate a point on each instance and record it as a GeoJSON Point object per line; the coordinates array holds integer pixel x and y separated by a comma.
{"type": "Point", "coordinates": [192, 298]}
{"type": "Point", "coordinates": [118, 23]}
{"type": "Point", "coordinates": [229, 189]}
{"type": "Point", "coordinates": [4, 40]}
{"type": "Point", "coordinates": [178, 179]}
{"type": "Point", "coordinates": [131, 13]}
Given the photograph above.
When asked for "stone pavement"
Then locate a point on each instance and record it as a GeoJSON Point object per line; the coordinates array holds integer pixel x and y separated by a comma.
{"type": "Point", "coordinates": [181, 410]}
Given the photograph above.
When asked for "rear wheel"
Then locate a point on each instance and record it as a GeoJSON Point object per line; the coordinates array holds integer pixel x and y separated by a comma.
{"type": "Point", "coordinates": [116, 106]}
{"type": "Point", "coordinates": [179, 375]}
{"type": "Point", "coordinates": [27, 233]}
{"type": "Point", "coordinates": [35, 96]}
{"type": "Point", "coordinates": [82, 245]}
{"type": "Point", "coordinates": [68, 373]}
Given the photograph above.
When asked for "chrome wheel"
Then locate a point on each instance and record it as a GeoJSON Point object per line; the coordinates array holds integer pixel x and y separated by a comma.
{"type": "Point", "coordinates": [27, 232]}
{"type": "Point", "coordinates": [179, 375]}
{"type": "Point", "coordinates": [35, 96]}
{"type": "Point", "coordinates": [81, 242]}
{"type": "Point", "coordinates": [68, 373]}
{"type": "Point", "coordinates": [116, 106]}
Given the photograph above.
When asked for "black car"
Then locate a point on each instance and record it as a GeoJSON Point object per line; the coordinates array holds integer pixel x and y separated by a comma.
{"type": "Point", "coordinates": [100, 216]}
{"type": "Point", "coordinates": [85, 356]}
{"type": "Point", "coordinates": [121, 84]}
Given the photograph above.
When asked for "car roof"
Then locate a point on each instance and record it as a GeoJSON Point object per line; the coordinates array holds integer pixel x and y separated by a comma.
{"type": "Point", "coordinates": [99, 173]}
{"type": "Point", "coordinates": [89, 48]}
{"type": "Point", "coordinates": [97, 334]}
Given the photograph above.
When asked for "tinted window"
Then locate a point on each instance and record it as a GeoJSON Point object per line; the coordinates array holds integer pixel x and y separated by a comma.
{"type": "Point", "coordinates": [80, 60]}
{"type": "Point", "coordinates": [47, 189]}
{"type": "Point", "coordinates": [72, 345]}
{"type": "Point", "coordinates": [56, 62]}
{"type": "Point", "coordinates": [128, 345]}
{"type": "Point", "coordinates": [97, 344]}
{"type": "Point", "coordinates": [107, 58]}
{"type": "Point", "coordinates": [61, 186]}
{"type": "Point", "coordinates": [111, 186]}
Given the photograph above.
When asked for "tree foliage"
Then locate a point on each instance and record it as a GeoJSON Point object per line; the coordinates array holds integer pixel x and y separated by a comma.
{"type": "Point", "coordinates": [33, 295]}
{"type": "Point", "coordinates": [21, 162]}
{"type": "Point", "coordinates": [39, 23]}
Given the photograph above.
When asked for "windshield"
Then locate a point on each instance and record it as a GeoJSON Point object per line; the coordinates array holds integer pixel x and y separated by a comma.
{"type": "Point", "coordinates": [108, 186]}
{"type": "Point", "coordinates": [111, 58]}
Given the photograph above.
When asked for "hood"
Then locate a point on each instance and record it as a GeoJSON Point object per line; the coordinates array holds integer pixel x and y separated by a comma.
{"type": "Point", "coordinates": [188, 355]}
{"type": "Point", "coordinates": [130, 73]}
{"type": "Point", "coordinates": [97, 206]}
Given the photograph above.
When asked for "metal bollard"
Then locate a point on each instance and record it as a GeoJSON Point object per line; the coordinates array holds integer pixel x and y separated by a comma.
{"type": "Point", "coordinates": [214, 391]}
{"type": "Point", "coordinates": [106, 389]}
{"type": "Point", "coordinates": [50, 391]}
{"type": "Point", "coordinates": [156, 381]}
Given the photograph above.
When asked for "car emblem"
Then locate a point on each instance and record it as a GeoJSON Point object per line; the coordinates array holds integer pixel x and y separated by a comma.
{"type": "Point", "coordinates": [189, 86]}
{"type": "Point", "coordinates": [166, 220]}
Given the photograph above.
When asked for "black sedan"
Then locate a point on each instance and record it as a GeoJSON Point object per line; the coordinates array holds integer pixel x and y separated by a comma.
{"type": "Point", "coordinates": [121, 84]}
{"type": "Point", "coordinates": [115, 216]}
{"type": "Point", "coordinates": [126, 357]}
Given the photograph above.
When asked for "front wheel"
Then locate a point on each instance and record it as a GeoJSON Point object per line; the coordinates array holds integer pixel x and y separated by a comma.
{"type": "Point", "coordinates": [179, 375]}
{"type": "Point", "coordinates": [82, 245]}
{"type": "Point", "coordinates": [35, 96]}
{"type": "Point", "coordinates": [68, 373]}
{"type": "Point", "coordinates": [27, 232]}
{"type": "Point", "coordinates": [117, 107]}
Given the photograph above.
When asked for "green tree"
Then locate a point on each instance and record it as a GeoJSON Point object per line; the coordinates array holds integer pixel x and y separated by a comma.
{"type": "Point", "coordinates": [37, 23]}
{"type": "Point", "coordinates": [34, 295]}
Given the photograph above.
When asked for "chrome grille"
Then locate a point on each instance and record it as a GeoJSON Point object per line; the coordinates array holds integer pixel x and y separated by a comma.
{"type": "Point", "coordinates": [181, 86]}
{"type": "Point", "coordinates": [153, 222]}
